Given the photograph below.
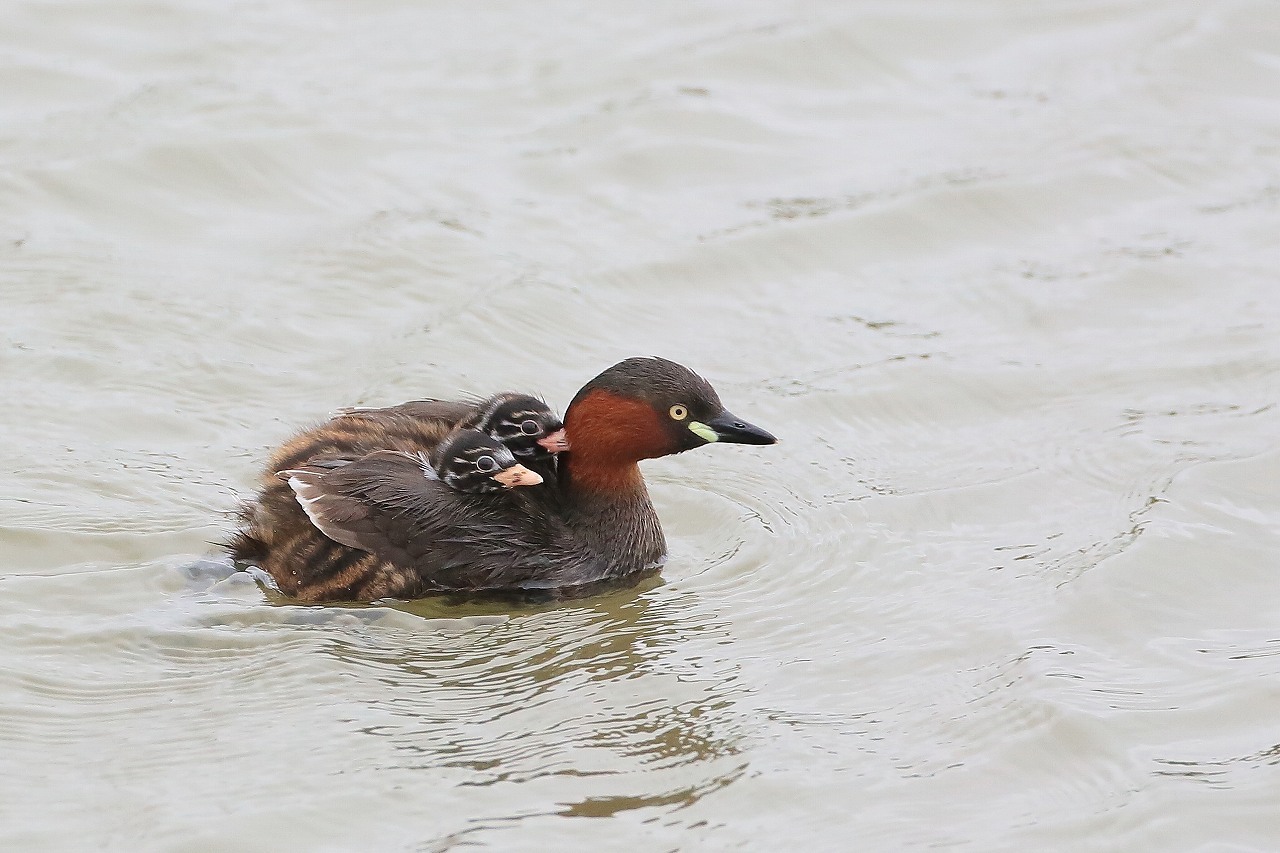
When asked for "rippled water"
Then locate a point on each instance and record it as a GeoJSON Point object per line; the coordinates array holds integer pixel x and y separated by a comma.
{"type": "Point", "coordinates": [1002, 275]}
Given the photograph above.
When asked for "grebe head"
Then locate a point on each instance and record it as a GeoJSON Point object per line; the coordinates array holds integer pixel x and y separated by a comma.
{"type": "Point", "coordinates": [471, 461]}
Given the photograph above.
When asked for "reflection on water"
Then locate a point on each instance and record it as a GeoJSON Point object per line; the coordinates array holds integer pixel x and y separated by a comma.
{"type": "Point", "coordinates": [511, 708]}
{"type": "Point", "coordinates": [1001, 277]}
{"type": "Point", "coordinates": [600, 698]}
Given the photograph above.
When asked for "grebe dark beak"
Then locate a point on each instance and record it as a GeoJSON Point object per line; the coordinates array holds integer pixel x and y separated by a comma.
{"type": "Point", "coordinates": [730, 428]}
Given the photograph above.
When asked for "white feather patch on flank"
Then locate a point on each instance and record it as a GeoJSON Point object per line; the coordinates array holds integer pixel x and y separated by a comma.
{"type": "Point", "coordinates": [305, 492]}
{"type": "Point", "coordinates": [309, 495]}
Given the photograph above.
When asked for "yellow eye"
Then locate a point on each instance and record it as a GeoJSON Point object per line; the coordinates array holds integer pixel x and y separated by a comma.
{"type": "Point", "coordinates": [679, 412]}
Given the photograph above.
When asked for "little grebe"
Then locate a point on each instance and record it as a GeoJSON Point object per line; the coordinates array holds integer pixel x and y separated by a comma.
{"type": "Point", "coordinates": [389, 531]}
{"type": "Point", "coordinates": [330, 491]}
{"type": "Point", "coordinates": [470, 461]}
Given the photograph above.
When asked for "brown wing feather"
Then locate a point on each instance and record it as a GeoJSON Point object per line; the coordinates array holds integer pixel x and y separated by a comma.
{"type": "Point", "coordinates": [384, 504]}
{"type": "Point", "coordinates": [334, 493]}
{"type": "Point", "coordinates": [445, 412]}
{"type": "Point", "coordinates": [337, 516]}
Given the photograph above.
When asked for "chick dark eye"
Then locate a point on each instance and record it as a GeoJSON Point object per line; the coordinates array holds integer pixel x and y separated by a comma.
{"type": "Point", "coordinates": [529, 428]}
{"type": "Point", "coordinates": [485, 464]}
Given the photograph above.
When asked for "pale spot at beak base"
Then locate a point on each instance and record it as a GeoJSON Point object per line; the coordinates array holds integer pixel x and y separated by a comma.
{"type": "Point", "coordinates": [703, 431]}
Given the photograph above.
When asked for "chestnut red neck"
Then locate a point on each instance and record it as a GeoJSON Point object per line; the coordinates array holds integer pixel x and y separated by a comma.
{"type": "Point", "coordinates": [608, 434]}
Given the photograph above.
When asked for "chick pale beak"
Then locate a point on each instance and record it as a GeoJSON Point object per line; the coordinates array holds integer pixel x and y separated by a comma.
{"type": "Point", "coordinates": [556, 442]}
{"type": "Point", "coordinates": [517, 475]}
{"type": "Point", "coordinates": [731, 429]}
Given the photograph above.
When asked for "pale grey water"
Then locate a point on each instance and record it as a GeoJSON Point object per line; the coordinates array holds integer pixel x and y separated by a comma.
{"type": "Point", "coordinates": [1002, 275]}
